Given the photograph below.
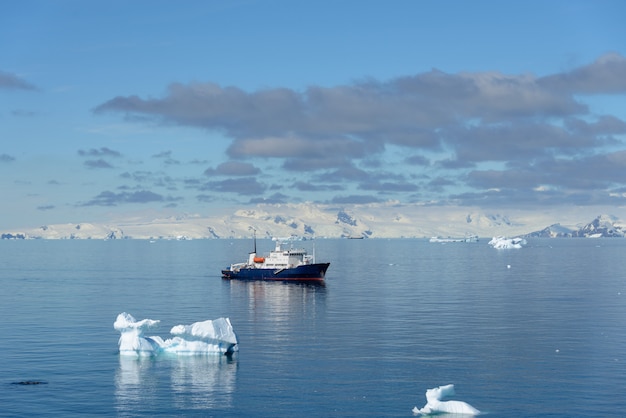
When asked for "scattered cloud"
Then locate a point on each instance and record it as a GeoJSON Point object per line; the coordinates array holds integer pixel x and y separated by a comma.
{"type": "Point", "coordinates": [314, 187]}
{"type": "Point", "coordinates": [389, 187]}
{"type": "Point", "coordinates": [138, 176]}
{"type": "Point", "coordinates": [20, 113]}
{"type": "Point", "coordinates": [276, 198]}
{"type": "Point", "coordinates": [439, 183]}
{"type": "Point", "coordinates": [233, 168]}
{"type": "Point", "coordinates": [604, 76]}
{"type": "Point", "coordinates": [206, 198]}
{"type": "Point", "coordinates": [102, 152]}
{"type": "Point", "coordinates": [422, 111]}
{"type": "Point", "coordinates": [355, 199]}
{"type": "Point", "coordinates": [100, 155]}
{"type": "Point", "coordinates": [166, 156]}
{"type": "Point", "coordinates": [6, 158]}
{"type": "Point", "coordinates": [468, 131]}
{"type": "Point", "coordinates": [99, 163]}
{"type": "Point", "coordinates": [163, 154]}
{"type": "Point", "coordinates": [417, 160]}
{"type": "Point", "coordinates": [241, 186]}
{"type": "Point", "coordinates": [13, 82]}
{"type": "Point", "coordinates": [108, 198]}
{"type": "Point", "coordinates": [155, 179]}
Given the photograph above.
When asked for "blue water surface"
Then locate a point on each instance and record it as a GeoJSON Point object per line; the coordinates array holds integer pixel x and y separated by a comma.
{"type": "Point", "coordinates": [537, 331]}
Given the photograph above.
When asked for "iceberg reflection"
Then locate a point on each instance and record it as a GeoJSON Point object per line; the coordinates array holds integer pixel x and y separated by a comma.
{"type": "Point", "coordinates": [196, 382]}
{"type": "Point", "coordinates": [203, 382]}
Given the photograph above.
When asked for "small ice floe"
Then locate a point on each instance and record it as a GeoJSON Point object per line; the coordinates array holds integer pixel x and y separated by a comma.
{"type": "Point", "coordinates": [506, 243]}
{"type": "Point", "coordinates": [207, 337]}
{"type": "Point", "coordinates": [435, 404]}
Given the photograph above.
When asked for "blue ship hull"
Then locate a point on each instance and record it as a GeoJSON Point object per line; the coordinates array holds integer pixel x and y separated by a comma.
{"type": "Point", "coordinates": [304, 273]}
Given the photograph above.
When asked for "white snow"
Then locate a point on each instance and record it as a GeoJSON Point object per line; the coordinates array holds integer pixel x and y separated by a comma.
{"type": "Point", "coordinates": [507, 243]}
{"type": "Point", "coordinates": [435, 404]}
{"type": "Point", "coordinates": [381, 220]}
{"type": "Point", "coordinates": [207, 337]}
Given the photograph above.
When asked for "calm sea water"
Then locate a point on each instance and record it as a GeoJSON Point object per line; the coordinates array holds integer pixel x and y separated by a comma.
{"type": "Point", "coordinates": [539, 331]}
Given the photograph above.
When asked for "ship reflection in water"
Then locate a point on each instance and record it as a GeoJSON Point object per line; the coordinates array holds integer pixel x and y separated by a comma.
{"type": "Point", "coordinates": [283, 308]}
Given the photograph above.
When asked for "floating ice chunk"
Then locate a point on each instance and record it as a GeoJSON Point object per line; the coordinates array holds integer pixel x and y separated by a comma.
{"type": "Point", "coordinates": [125, 322]}
{"type": "Point", "coordinates": [132, 341]}
{"type": "Point", "coordinates": [506, 243]}
{"type": "Point", "coordinates": [207, 337]}
{"type": "Point", "coordinates": [219, 329]}
{"type": "Point", "coordinates": [435, 405]}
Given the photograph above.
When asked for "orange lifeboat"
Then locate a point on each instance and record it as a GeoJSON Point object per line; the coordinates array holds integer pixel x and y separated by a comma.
{"type": "Point", "coordinates": [259, 259]}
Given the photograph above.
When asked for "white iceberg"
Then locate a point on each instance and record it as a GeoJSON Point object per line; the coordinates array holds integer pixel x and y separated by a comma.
{"type": "Point", "coordinates": [207, 337]}
{"type": "Point", "coordinates": [506, 243]}
{"type": "Point", "coordinates": [435, 404]}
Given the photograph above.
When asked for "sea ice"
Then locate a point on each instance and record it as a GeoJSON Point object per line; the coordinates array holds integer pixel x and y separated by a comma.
{"type": "Point", "coordinates": [435, 405]}
{"type": "Point", "coordinates": [506, 243]}
{"type": "Point", "coordinates": [207, 337]}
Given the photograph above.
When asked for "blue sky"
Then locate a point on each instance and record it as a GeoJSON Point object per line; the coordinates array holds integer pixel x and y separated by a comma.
{"type": "Point", "coordinates": [149, 108]}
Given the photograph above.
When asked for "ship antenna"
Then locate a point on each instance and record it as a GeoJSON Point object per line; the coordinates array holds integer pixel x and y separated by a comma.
{"type": "Point", "coordinates": [254, 237]}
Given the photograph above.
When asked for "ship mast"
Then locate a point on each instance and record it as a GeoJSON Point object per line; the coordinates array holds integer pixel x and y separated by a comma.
{"type": "Point", "coordinates": [254, 236]}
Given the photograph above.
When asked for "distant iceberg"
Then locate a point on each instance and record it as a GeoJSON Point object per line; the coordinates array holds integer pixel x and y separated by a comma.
{"type": "Point", "coordinates": [467, 238]}
{"type": "Point", "coordinates": [506, 243]}
{"type": "Point", "coordinates": [207, 337]}
{"type": "Point", "coordinates": [435, 405]}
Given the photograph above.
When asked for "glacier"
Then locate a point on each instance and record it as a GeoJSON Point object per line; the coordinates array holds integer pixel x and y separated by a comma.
{"type": "Point", "coordinates": [206, 337]}
{"type": "Point", "coordinates": [390, 219]}
{"type": "Point", "coordinates": [435, 405]}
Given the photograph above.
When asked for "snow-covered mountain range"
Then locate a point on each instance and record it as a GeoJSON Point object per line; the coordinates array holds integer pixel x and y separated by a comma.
{"type": "Point", "coordinates": [308, 220]}
{"type": "Point", "coordinates": [606, 226]}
